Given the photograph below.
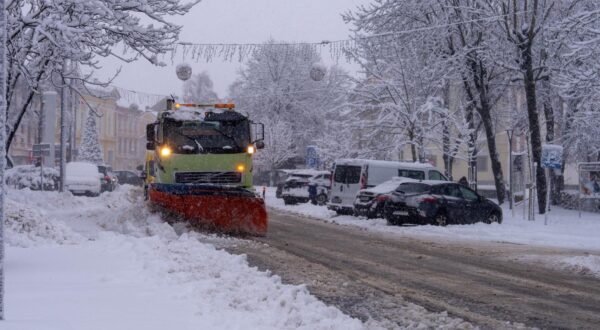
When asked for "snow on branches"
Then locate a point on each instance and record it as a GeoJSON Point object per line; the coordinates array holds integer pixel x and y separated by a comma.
{"type": "Point", "coordinates": [276, 88]}
{"type": "Point", "coordinates": [45, 35]}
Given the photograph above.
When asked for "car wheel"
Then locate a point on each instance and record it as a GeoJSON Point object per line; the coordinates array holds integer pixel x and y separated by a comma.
{"type": "Point", "coordinates": [288, 201]}
{"type": "Point", "coordinates": [441, 219]}
{"type": "Point", "coordinates": [322, 199]}
{"type": "Point", "coordinates": [493, 217]}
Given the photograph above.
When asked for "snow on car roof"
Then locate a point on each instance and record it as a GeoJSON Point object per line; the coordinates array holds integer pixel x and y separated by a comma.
{"type": "Point", "coordinates": [389, 185]}
{"type": "Point", "coordinates": [382, 163]}
{"type": "Point", "coordinates": [81, 168]}
{"type": "Point", "coordinates": [431, 182]}
{"type": "Point", "coordinates": [307, 171]}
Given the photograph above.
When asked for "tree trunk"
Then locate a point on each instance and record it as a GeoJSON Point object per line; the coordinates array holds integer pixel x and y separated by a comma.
{"type": "Point", "coordinates": [413, 149]}
{"type": "Point", "coordinates": [13, 130]}
{"type": "Point", "coordinates": [448, 159]}
{"type": "Point", "coordinates": [534, 123]}
{"type": "Point", "coordinates": [479, 72]}
{"type": "Point", "coordinates": [494, 157]}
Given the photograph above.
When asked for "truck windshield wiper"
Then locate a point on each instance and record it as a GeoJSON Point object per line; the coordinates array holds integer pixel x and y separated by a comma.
{"type": "Point", "coordinates": [228, 136]}
{"type": "Point", "coordinates": [190, 138]}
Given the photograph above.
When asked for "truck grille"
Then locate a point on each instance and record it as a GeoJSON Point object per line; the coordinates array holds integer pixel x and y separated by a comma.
{"type": "Point", "coordinates": [208, 177]}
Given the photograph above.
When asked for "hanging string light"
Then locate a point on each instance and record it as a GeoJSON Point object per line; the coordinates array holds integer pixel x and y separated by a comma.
{"type": "Point", "coordinates": [337, 49]}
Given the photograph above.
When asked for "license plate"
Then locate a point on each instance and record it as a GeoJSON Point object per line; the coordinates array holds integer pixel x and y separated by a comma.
{"type": "Point", "coordinates": [401, 213]}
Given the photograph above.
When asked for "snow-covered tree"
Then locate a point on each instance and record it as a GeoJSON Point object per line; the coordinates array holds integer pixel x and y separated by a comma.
{"type": "Point", "coordinates": [279, 145]}
{"type": "Point", "coordinates": [453, 42]}
{"type": "Point", "coordinates": [393, 100]}
{"type": "Point", "coordinates": [276, 88]}
{"type": "Point", "coordinates": [199, 89]}
{"type": "Point", "coordinates": [43, 36]}
{"type": "Point", "coordinates": [90, 149]}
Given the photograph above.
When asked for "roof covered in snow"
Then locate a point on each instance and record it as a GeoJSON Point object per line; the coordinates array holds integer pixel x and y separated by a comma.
{"type": "Point", "coordinates": [383, 163]}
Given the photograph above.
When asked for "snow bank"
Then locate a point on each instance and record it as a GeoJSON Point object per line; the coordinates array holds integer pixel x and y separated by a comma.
{"type": "Point", "coordinates": [29, 176]}
{"type": "Point", "coordinates": [587, 264]}
{"type": "Point", "coordinates": [26, 226]}
{"type": "Point", "coordinates": [108, 263]}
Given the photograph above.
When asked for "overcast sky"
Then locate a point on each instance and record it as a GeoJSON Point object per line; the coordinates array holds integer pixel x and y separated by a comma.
{"type": "Point", "coordinates": [239, 21]}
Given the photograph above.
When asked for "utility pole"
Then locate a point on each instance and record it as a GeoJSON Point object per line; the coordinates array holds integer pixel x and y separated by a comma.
{"type": "Point", "coordinates": [511, 197]}
{"type": "Point", "coordinates": [3, 71]}
{"type": "Point", "coordinates": [63, 125]}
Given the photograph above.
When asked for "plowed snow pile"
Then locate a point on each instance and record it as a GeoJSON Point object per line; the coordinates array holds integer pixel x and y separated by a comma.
{"type": "Point", "coordinates": [107, 263]}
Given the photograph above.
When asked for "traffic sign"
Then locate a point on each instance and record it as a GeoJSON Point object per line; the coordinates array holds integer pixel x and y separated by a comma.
{"type": "Point", "coordinates": [552, 156]}
{"type": "Point", "coordinates": [40, 150]}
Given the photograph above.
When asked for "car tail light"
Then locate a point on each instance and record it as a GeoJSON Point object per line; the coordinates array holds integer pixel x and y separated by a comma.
{"type": "Point", "coordinates": [382, 198]}
{"type": "Point", "coordinates": [428, 199]}
{"type": "Point", "coordinates": [107, 178]}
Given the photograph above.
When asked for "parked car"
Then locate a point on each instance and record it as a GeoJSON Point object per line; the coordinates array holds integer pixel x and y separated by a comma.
{"type": "Point", "coordinates": [282, 176]}
{"type": "Point", "coordinates": [83, 178]}
{"type": "Point", "coordinates": [109, 179]}
{"type": "Point", "coordinates": [439, 203]}
{"type": "Point", "coordinates": [129, 177]}
{"type": "Point", "coordinates": [29, 176]}
{"type": "Point", "coordinates": [369, 202]}
{"type": "Point", "coordinates": [295, 187]}
{"type": "Point", "coordinates": [351, 175]}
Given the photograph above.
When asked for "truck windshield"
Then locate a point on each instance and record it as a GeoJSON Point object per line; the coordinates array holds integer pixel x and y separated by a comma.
{"type": "Point", "coordinates": [215, 137]}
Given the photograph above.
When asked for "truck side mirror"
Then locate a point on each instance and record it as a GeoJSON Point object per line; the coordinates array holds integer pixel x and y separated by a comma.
{"type": "Point", "coordinates": [260, 144]}
{"type": "Point", "coordinates": [150, 136]}
{"type": "Point", "coordinates": [151, 132]}
{"type": "Point", "coordinates": [258, 130]}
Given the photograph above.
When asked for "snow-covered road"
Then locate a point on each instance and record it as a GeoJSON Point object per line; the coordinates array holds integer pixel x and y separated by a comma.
{"type": "Point", "coordinates": [107, 263]}
{"type": "Point", "coordinates": [564, 230]}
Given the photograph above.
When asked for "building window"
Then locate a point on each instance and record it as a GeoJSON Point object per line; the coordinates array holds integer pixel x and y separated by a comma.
{"type": "Point", "coordinates": [482, 163]}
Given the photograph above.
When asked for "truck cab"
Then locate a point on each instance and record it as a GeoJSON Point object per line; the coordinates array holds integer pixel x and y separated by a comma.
{"type": "Point", "coordinates": [203, 146]}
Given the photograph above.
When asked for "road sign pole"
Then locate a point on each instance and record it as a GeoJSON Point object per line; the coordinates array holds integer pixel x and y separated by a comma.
{"type": "Point", "coordinates": [547, 198]}
{"type": "Point", "coordinates": [42, 173]}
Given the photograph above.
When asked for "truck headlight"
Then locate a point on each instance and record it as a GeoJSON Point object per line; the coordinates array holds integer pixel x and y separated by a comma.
{"type": "Point", "coordinates": [165, 151]}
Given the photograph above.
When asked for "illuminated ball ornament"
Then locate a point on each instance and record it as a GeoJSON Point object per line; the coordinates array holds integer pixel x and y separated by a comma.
{"type": "Point", "coordinates": [184, 71]}
{"type": "Point", "coordinates": [318, 71]}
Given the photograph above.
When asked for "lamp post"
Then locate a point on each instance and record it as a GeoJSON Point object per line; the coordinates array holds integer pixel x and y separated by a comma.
{"type": "Point", "coordinates": [510, 133]}
{"type": "Point", "coordinates": [3, 71]}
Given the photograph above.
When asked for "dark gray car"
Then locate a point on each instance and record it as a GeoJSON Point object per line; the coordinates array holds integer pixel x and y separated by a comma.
{"type": "Point", "coordinates": [439, 204]}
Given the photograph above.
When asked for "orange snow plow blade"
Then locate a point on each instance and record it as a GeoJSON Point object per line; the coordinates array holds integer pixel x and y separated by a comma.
{"type": "Point", "coordinates": [224, 209]}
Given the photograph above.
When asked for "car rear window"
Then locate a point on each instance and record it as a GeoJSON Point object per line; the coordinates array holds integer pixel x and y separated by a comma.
{"type": "Point", "coordinates": [347, 174]}
{"type": "Point", "coordinates": [413, 188]}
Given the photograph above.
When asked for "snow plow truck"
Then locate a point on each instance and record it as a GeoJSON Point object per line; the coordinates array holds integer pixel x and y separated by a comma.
{"type": "Point", "coordinates": [199, 166]}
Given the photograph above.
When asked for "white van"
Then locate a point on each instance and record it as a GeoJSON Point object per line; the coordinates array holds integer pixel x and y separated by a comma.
{"type": "Point", "coordinates": [352, 175]}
